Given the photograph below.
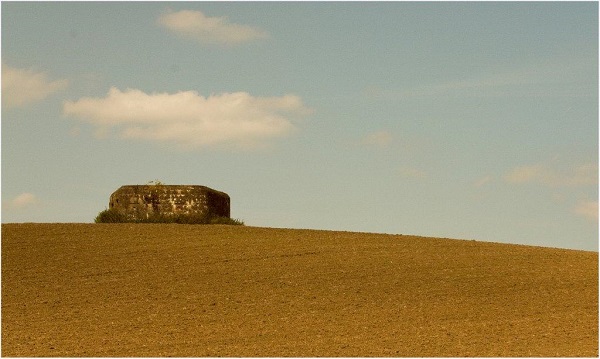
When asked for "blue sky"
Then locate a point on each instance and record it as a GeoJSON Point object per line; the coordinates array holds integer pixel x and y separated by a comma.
{"type": "Point", "coordinates": [463, 120]}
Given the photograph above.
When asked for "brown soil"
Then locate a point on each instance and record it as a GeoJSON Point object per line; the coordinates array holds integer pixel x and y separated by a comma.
{"type": "Point", "coordinates": [184, 290]}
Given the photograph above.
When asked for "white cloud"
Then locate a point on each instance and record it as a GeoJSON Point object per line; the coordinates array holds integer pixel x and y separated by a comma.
{"type": "Point", "coordinates": [483, 181]}
{"type": "Point", "coordinates": [414, 173]}
{"type": "Point", "coordinates": [188, 119]}
{"type": "Point", "coordinates": [21, 87]}
{"type": "Point", "coordinates": [75, 131]}
{"type": "Point", "coordinates": [524, 174]}
{"type": "Point", "coordinates": [562, 181]}
{"type": "Point", "coordinates": [555, 78]}
{"type": "Point", "coordinates": [380, 138]}
{"type": "Point", "coordinates": [23, 200]}
{"type": "Point", "coordinates": [490, 86]}
{"type": "Point", "coordinates": [587, 209]}
{"type": "Point", "coordinates": [216, 30]}
{"type": "Point", "coordinates": [583, 175]}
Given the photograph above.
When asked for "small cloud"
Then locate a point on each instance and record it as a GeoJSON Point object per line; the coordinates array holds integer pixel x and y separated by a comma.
{"type": "Point", "coordinates": [374, 92]}
{"type": "Point", "coordinates": [188, 119]}
{"type": "Point", "coordinates": [409, 172]}
{"type": "Point", "coordinates": [552, 79]}
{"type": "Point", "coordinates": [559, 197]}
{"type": "Point", "coordinates": [587, 209]}
{"type": "Point", "coordinates": [214, 30]}
{"type": "Point", "coordinates": [75, 131]}
{"type": "Point", "coordinates": [524, 174]}
{"type": "Point", "coordinates": [483, 181]}
{"type": "Point", "coordinates": [23, 200]}
{"type": "Point", "coordinates": [380, 139]}
{"type": "Point", "coordinates": [21, 87]}
{"type": "Point", "coordinates": [586, 174]}
{"type": "Point", "coordinates": [583, 175]}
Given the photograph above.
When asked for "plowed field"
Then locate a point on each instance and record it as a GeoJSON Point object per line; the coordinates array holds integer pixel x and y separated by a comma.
{"type": "Point", "coordinates": [184, 290]}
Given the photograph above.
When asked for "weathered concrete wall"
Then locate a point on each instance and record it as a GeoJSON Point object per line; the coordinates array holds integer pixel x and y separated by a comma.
{"type": "Point", "coordinates": [142, 201]}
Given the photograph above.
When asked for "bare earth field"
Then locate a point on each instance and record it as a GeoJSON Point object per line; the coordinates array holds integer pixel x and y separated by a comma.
{"type": "Point", "coordinates": [184, 290]}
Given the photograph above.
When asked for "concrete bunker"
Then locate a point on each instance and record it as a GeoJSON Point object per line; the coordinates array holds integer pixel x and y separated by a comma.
{"type": "Point", "coordinates": [139, 202]}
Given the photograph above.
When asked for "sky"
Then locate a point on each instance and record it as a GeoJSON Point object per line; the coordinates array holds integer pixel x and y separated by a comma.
{"type": "Point", "coordinates": [467, 120]}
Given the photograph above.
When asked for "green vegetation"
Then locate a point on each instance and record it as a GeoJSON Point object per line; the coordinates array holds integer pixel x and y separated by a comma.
{"type": "Point", "coordinates": [115, 216]}
{"type": "Point", "coordinates": [156, 183]}
{"type": "Point", "coordinates": [110, 216]}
